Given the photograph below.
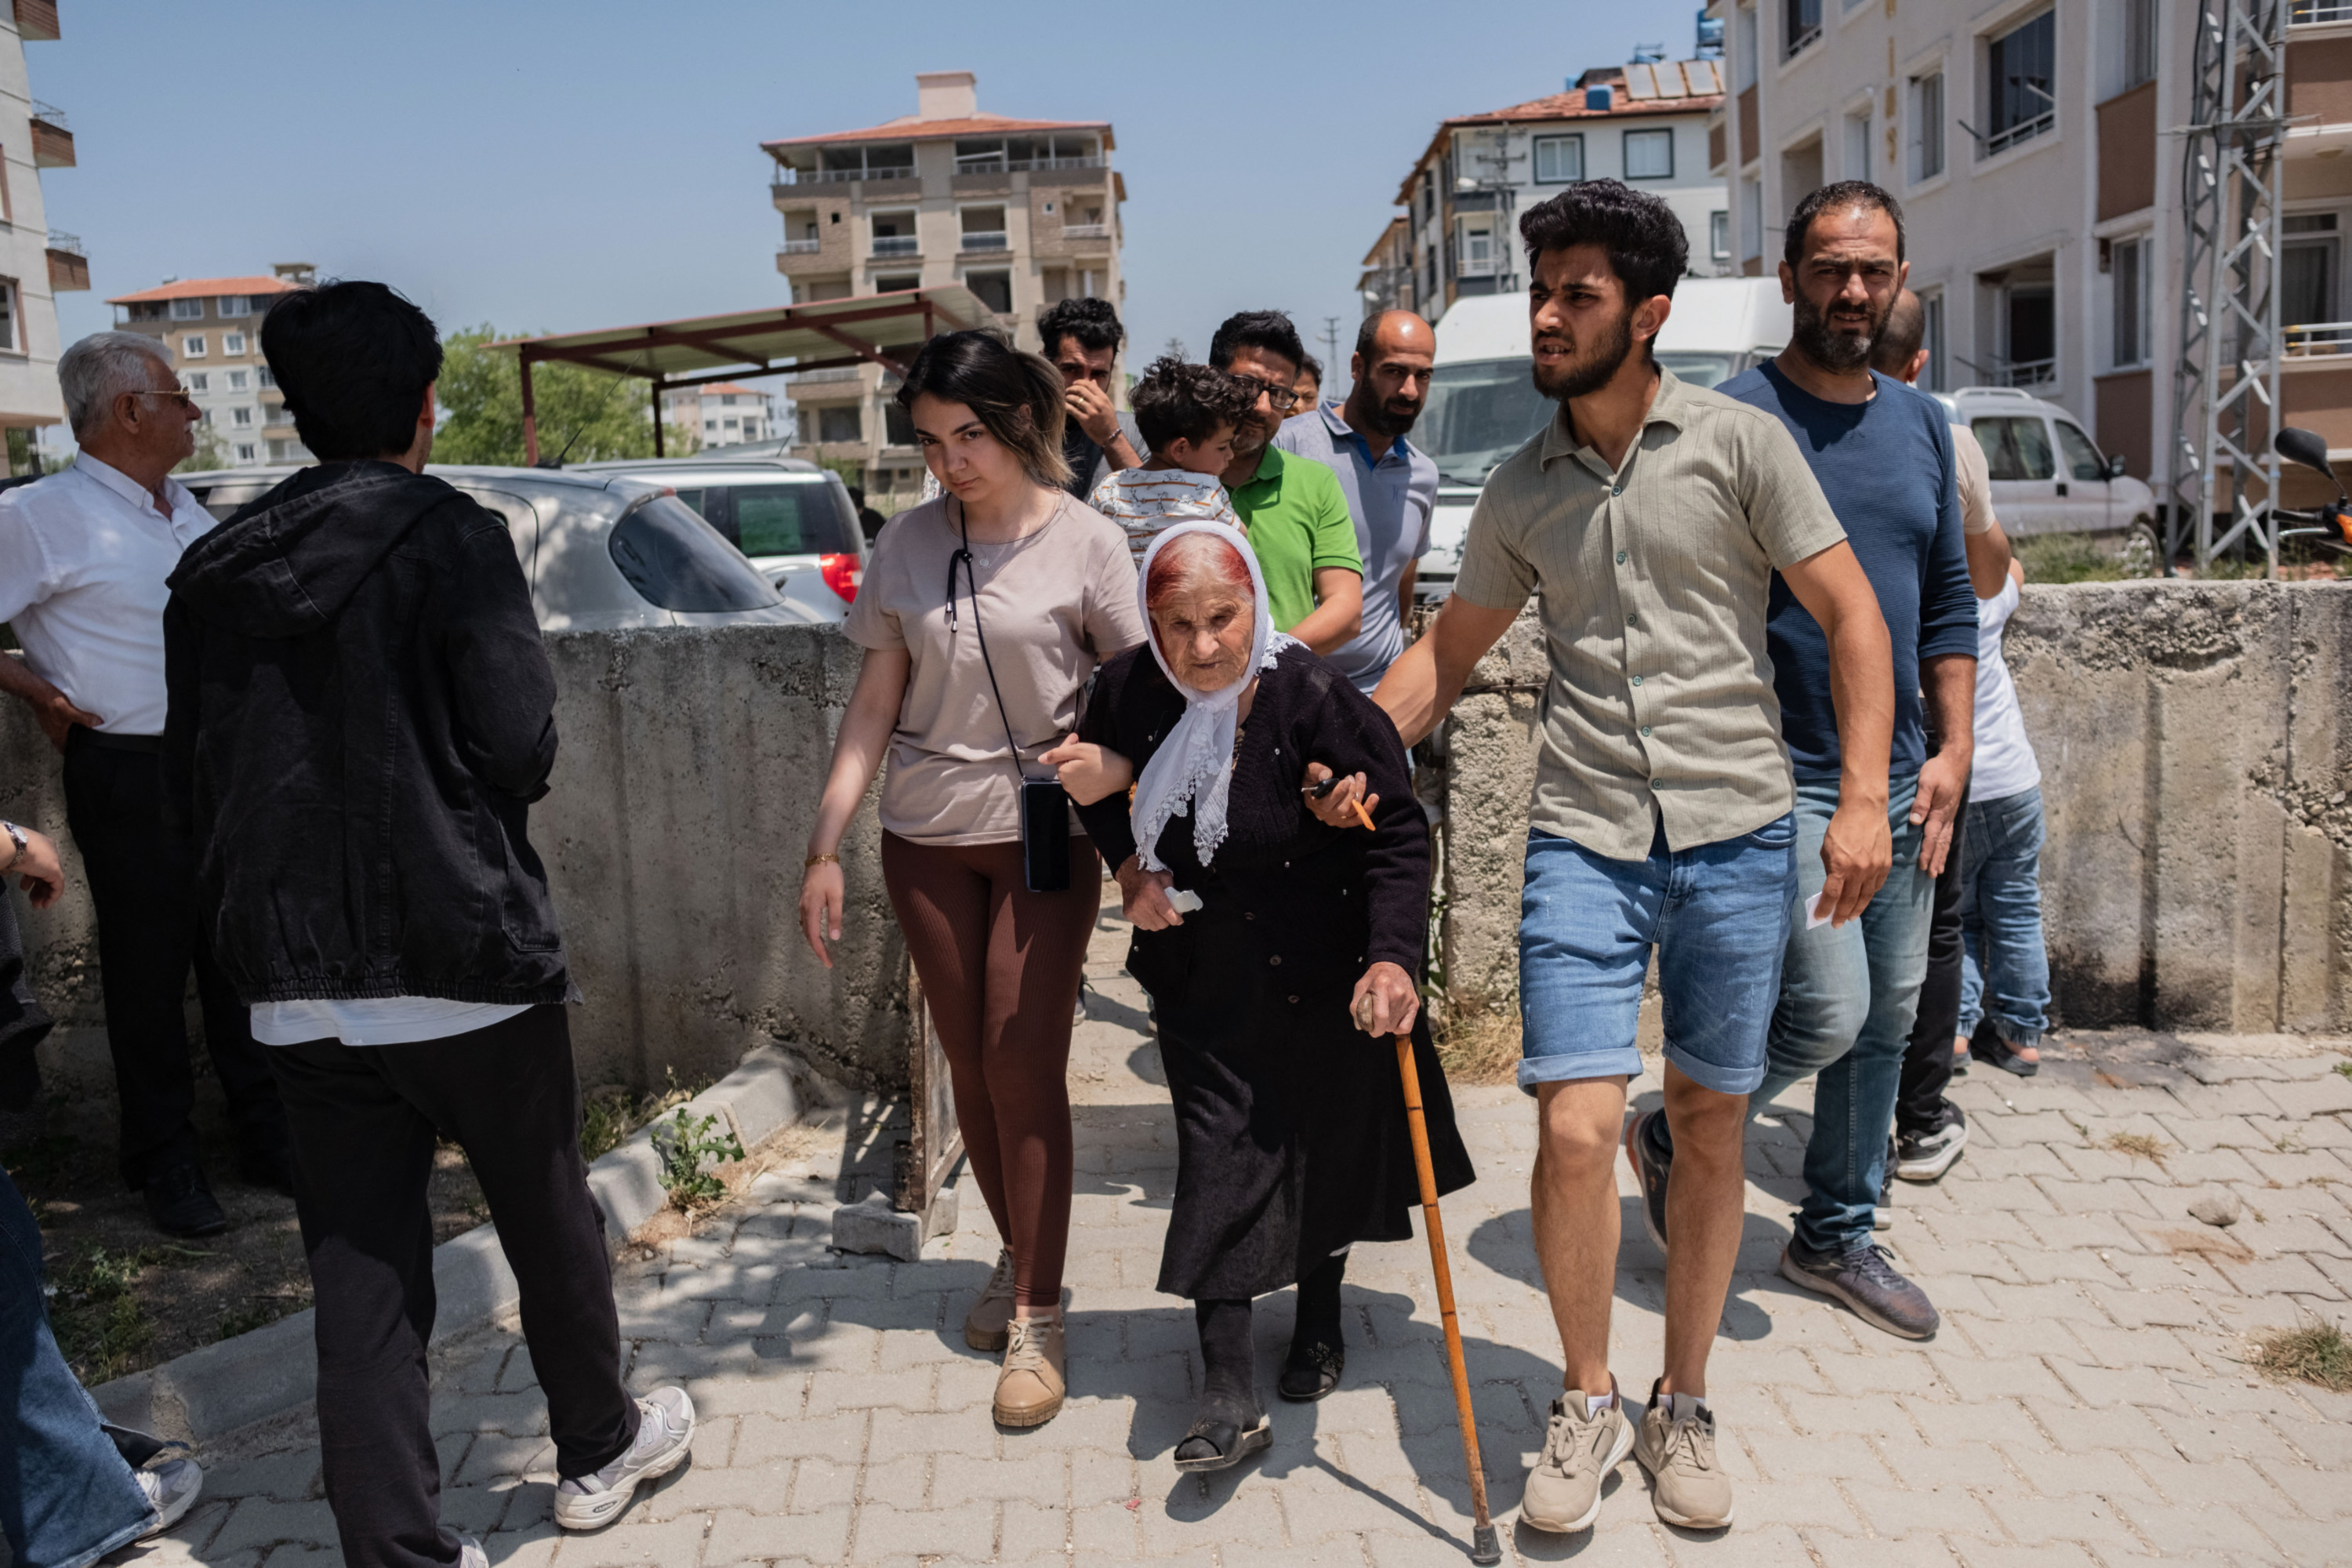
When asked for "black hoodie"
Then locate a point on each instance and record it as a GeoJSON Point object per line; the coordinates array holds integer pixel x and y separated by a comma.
{"type": "Point", "coordinates": [361, 712]}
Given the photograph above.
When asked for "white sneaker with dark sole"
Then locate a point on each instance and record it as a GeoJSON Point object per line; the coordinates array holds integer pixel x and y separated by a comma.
{"type": "Point", "coordinates": [1924, 1157]}
{"type": "Point", "coordinates": [173, 1487]}
{"type": "Point", "coordinates": [665, 1437]}
{"type": "Point", "coordinates": [471, 1553]}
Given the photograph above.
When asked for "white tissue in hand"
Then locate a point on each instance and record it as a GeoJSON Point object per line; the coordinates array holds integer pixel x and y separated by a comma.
{"type": "Point", "coordinates": [1818, 912]}
{"type": "Point", "coordinates": [1185, 900]}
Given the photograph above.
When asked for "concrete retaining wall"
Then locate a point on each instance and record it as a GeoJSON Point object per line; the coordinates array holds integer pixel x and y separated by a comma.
{"type": "Point", "coordinates": [2196, 747]}
{"type": "Point", "coordinates": [689, 771]}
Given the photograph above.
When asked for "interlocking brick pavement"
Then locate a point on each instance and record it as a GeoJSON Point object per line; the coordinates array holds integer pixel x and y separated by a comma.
{"type": "Point", "coordinates": [2085, 1404]}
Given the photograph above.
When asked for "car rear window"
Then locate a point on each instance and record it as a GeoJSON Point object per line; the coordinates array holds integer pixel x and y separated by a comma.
{"type": "Point", "coordinates": [680, 563]}
{"type": "Point", "coordinates": [811, 517]}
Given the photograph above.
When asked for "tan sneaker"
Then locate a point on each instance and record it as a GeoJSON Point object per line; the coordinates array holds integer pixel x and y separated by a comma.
{"type": "Point", "coordinates": [1564, 1489]}
{"type": "Point", "coordinates": [983, 1326]}
{"type": "Point", "coordinates": [1029, 1390]}
{"type": "Point", "coordinates": [1677, 1446]}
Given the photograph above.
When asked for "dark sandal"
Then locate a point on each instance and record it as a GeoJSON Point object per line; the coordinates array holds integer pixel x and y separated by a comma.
{"type": "Point", "coordinates": [1229, 1443]}
{"type": "Point", "coordinates": [2000, 1054]}
{"type": "Point", "coordinates": [1312, 1371]}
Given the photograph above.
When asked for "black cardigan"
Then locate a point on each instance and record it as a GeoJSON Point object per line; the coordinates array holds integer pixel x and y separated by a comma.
{"type": "Point", "coordinates": [1328, 899]}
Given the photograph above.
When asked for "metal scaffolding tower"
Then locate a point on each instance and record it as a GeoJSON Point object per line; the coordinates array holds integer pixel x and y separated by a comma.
{"type": "Point", "coordinates": [2225, 379]}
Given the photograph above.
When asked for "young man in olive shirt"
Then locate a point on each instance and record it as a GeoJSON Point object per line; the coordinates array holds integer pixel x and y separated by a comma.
{"type": "Point", "coordinates": [1293, 508]}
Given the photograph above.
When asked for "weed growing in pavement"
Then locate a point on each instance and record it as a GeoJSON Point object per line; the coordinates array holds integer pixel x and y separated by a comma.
{"type": "Point", "coordinates": [684, 1143]}
{"type": "Point", "coordinates": [610, 1113]}
{"type": "Point", "coordinates": [2314, 1351]}
{"type": "Point", "coordinates": [1479, 1043]}
{"type": "Point", "coordinates": [98, 1321]}
{"type": "Point", "coordinates": [2345, 1068]}
{"type": "Point", "coordinates": [242, 1321]}
{"type": "Point", "coordinates": [2138, 1145]}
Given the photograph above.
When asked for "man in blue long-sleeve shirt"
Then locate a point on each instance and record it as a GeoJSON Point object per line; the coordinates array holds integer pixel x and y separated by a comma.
{"type": "Point", "coordinates": [1882, 454]}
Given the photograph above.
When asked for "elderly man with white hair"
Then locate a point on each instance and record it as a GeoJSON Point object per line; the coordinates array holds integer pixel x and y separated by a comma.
{"type": "Point", "coordinates": [83, 558]}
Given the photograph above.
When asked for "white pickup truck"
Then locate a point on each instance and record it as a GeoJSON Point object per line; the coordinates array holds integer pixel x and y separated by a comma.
{"type": "Point", "coordinates": [1483, 403]}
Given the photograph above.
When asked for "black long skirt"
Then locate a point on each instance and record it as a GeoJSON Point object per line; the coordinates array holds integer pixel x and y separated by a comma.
{"type": "Point", "coordinates": [1290, 1121]}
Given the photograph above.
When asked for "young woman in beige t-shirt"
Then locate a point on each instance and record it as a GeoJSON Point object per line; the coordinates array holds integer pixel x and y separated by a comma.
{"type": "Point", "coordinates": [1004, 554]}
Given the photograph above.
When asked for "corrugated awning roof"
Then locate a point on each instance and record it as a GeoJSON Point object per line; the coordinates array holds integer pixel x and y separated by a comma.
{"type": "Point", "coordinates": [882, 329]}
{"type": "Point", "coordinates": [206, 289]}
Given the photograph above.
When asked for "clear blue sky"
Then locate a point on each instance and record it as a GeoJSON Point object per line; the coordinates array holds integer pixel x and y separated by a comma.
{"type": "Point", "coordinates": [550, 167]}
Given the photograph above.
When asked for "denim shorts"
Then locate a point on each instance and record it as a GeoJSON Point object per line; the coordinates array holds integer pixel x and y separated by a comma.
{"type": "Point", "coordinates": [1719, 915]}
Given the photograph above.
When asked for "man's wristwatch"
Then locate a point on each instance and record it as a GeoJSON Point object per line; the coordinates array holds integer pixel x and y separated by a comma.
{"type": "Point", "coordinates": [16, 838]}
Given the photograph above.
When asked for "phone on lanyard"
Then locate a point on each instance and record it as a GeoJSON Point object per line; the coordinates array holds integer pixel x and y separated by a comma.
{"type": "Point", "coordinates": [1044, 835]}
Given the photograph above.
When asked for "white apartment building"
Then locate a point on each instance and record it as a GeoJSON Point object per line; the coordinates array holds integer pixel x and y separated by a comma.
{"type": "Point", "coordinates": [1645, 124]}
{"type": "Point", "coordinates": [724, 414]}
{"type": "Point", "coordinates": [1023, 213]}
{"type": "Point", "coordinates": [211, 328]}
{"type": "Point", "coordinates": [2031, 145]}
{"type": "Point", "coordinates": [36, 263]}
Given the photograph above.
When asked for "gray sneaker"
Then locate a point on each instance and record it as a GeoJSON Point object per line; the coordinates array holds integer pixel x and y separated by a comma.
{"type": "Point", "coordinates": [665, 1437]}
{"type": "Point", "coordinates": [1564, 1489]}
{"type": "Point", "coordinates": [172, 1489]}
{"type": "Point", "coordinates": [1652, 1162]}
{"type": "Point", "coordinates": [1677, 1446]}
{"type": "Point", "coordinates": [1865, 1278]}
{"type": "Point", "coordinates": [471, 1553]}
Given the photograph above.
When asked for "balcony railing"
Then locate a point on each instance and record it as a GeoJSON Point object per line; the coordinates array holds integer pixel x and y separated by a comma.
{"type": "Point", "coordinates": [986, 239]}
{"type": "Point", "coordinates": [800, 247]}
{"type": "Point", "coordinates": [1086, 231]}
{"type": "Point", "coordinates": [2027, 373]}
{"type": "Point", "coordinates": [831, 372]}
{"type": "Point", "coordinates": [68, 243]}
{"type": "Point", "coordinates": [2003, 140]}
{"type": "Point", "coordinates": [53, 143]}
{"type": "Point", "coordinates": [897, 245]}
{"type": "Point", "coordinates": [1024, 166]}
{"type": "Point", "coordinates": [788, 176]}
{"type": "Point", "coordinates": [2325, 340]}
{"type": "Point", "coordinates": [2304, 12]}
{"type": "Point", "coordinates": [1803, 42]}
{"type": "Point", "coordinates": [50, 114]}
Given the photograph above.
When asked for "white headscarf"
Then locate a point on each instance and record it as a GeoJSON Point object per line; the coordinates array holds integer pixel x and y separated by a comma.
{"type": "Point", "coordinates": [1194, 764]}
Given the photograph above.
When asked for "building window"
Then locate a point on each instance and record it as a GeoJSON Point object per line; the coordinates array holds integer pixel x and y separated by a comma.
{"type": "Point", "coordinates": [1801, 24]}
{"type": "Point", "coordinates": [236, 381]}
{"type": "Point", "coordinates": [1751, 219]}
{"type": "Point", "coordinates": [1559, 160]}
{"type": "Point", "coordinates": [233, 306]}
{"type": "Point", "coordinates": [1649, 154]}
{"type": "Point", "coordinates": [2139, 42]}
{"type": "Point", "coordinates": [895, 282]}
{"type": "Point", "coordinates": [12, 316]}
{"type": "Point", "coordinates": [2127, 268]}
{"type": "Point", "coordinates": [898, 424]}
{"type": "Point", "coordinates": [982, 228]}
{"type": "Point", "coordinates": [261, 377]}
{"type": "Point", "coordinates": [247, 452]}
{"type": "Point", "coordinates": [231, 343]}
{"type": "Point", "coordinates": [2020, 77]}
{"type": "Point", "coordinates": [842, 422]}
{"type": "Point", "coordinates": [2307, 269]}
{"type": "Point", "coordinates": [893, 234]}
{"type": "Point", "coordinates": [193, 346]}
{"type": "Point", "coordinates": [1744, 67]}
{"type": "Point", "coordinates": [1857, 145]}
{"type": "Point", "coordinates": [994, 289]}
{"type": "Point", "coordinates": [242, 419]}
{"type": "Point", "coordinates": [197, 381]}
{"type": "Point", "coordinates": [1932, 340]}
{"type": "Point", "coordinates": [1719, 235]}
{"type": "Point", "coordinates": [187, 309]}
{"type": "Point", "coordinates": [1927, 125]}
{"type": "Point", "coordinates": [1477, 252]}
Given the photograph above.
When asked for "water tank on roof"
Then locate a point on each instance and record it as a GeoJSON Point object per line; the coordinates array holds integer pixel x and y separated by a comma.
{"type": "Point", "coordinates": [1598, 99]}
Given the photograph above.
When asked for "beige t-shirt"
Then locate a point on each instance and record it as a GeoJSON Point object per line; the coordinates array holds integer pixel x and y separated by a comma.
{"type": "Point", "coordinates": [1054, 605]}
{"type": "Point", "coordinates": [1975, 480]}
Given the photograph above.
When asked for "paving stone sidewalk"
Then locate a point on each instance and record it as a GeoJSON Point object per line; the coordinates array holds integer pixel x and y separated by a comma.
{"type": "Point", "coordinates": [2086, 1402]}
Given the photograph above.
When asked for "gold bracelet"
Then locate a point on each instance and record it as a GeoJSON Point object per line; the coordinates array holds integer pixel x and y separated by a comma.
{"type": "Point", "coordinates": [820, 860]}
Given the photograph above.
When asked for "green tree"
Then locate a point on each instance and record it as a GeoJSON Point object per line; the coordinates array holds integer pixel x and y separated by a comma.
{"type": "Point", "coordinates": [211, 452]}
{"type": "Point", "coordinates": [584, 415]}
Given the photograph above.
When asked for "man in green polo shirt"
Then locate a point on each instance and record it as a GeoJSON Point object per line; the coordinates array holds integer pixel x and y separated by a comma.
{"type": "Point", "coordinates": [1293, 507]}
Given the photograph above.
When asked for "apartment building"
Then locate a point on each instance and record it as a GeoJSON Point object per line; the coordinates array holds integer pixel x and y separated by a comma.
{"type": "Point", "coordinates": [1023, 213]}
{"type": "Point", "coordinates": [36, 263]}
{"type": "Point", "coordinates": [1645, 123]}
{"type": "Point", "coordinates": [724, 414]}
{"type": "Point", "coordinates": [211, 328]}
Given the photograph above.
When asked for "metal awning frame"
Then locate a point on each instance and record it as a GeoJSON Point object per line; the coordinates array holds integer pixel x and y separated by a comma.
{"type": "Point", "coordinates": [623, 352]}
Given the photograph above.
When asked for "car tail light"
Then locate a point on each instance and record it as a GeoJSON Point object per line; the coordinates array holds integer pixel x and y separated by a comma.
{"type": "Point", "coordinates": [840, 574]}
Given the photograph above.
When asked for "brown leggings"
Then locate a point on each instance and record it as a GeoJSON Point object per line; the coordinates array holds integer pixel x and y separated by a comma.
{"type": "Point", "coordinates": [999, 967]}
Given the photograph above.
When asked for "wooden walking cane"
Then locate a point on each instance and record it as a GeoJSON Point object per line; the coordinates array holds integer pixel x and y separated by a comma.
{"type": "Point", "coordinates": [1484, 1547]}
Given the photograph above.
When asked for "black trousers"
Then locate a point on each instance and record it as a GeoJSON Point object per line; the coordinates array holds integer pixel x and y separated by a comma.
{"type": "Point", "coordinates": [1920, 1107]}
{"type": "Point", "coordinates": [364, 1119]}
{"type": "Point", "coordinates": [142, 878]}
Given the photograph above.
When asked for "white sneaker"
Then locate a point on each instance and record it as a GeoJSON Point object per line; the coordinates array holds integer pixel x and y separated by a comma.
{"type": "Point", "coordinates": [172, 1488]}
{"type": "Point", "coordinates": [471, 1553]}
{"type": "Point", "coordinates": [665, 1436]}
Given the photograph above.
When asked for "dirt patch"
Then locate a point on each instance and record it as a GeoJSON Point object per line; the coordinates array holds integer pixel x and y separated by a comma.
{"type": "Point", "coordinates": [2208, 1245]}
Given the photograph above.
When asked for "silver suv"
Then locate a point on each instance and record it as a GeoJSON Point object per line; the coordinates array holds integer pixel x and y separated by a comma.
{"type": "Point", "coordinates": [792, 517]}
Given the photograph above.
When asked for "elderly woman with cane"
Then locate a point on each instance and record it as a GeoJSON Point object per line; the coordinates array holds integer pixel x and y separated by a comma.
{"type": "Point", "coordinates": [1274, 946]}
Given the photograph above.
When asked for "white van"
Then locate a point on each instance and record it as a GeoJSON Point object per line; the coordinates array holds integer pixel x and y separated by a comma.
{"type": "Point", "coordinates": [2048, 476]}
{"type": "Point", "coordinates": [1483, 403]}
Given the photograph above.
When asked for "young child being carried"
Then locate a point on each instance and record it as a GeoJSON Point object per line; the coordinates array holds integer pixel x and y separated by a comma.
{"type": "Point", "coordinates": [1188, 414]}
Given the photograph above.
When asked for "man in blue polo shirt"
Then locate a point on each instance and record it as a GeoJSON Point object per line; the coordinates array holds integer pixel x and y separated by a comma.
{"type": "Point", "coordinates": [1849, 994]}
{"type": "Point", "coordinates": [1391, 488]}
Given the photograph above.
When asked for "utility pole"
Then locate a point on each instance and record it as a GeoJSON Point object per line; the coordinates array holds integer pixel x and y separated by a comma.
{"type": "Point", "coordinates": [1331, 348]}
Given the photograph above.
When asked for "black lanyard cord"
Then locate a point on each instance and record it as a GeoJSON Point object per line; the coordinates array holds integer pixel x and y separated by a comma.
{"type": "Point", "coordinates": [962, 558]}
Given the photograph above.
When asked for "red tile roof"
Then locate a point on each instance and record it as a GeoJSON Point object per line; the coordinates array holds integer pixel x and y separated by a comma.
{"type": "Point", "coordinates": [206, 289]}
{"type": "Point", "coordinates": [911, 128]}
{"type": "Point", "coordinates": [1569, 105]}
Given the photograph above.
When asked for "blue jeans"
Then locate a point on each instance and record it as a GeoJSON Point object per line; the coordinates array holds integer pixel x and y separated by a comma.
{"type": "Point", "coordinates": [1848, 996]}
{"type": "Point", "coordinates": [2005, 975]}
{"type": "Point", "coordinates": [67, 1498]}
{"type": "Point", "coordinates": [1719, 915]}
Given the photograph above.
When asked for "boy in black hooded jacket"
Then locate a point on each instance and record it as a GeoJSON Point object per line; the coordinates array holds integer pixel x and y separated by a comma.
{"type": "Point", "coordinates": [360, 714]}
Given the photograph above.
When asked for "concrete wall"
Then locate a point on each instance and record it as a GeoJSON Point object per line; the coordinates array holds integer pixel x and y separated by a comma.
{"type": "Point", "coordinates": [2196, 747]}
{"type": "Point", "coordinates": [689, 771]}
